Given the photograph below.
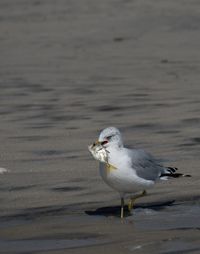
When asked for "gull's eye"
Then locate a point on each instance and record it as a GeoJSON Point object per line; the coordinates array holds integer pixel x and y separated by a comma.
{"type": "Point", "coordinates": [107, 140]}
{"type": "Point", "coordinates": [109, 137]}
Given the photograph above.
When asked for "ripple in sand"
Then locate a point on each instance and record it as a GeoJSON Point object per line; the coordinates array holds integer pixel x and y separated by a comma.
{"type": "Point", "coordinates": [24, 246]}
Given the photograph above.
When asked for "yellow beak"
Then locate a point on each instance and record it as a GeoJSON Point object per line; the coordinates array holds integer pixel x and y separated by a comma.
{"type": "Point", "coordinates": [96, 143]}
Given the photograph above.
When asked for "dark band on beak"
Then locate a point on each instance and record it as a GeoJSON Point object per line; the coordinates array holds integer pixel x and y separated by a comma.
{"type": "Point", "coordinates": [96, 143]}
{"type": "Point", "coordinates": [100, 143]}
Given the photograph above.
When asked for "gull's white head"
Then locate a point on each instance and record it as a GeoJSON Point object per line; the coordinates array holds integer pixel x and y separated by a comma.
{"type": "Point", "coordinates": [110, 136]}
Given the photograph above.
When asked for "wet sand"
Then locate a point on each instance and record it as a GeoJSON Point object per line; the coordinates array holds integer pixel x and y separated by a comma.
{"type": "Point", "coordinates": [69, 69]}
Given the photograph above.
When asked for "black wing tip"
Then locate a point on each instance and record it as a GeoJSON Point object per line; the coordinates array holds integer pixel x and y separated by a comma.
{"type": "Point", "coordinates": [172, 169]}
{"type": "Point", "coordinates": [175, 175]}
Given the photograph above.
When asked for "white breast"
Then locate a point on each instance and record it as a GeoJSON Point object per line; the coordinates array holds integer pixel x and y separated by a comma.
{"type": "Point", "coordinates": [122, 177]}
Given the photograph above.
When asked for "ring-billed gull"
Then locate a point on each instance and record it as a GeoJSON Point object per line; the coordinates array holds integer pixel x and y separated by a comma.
{"type": "Point", "coordinates": [127, 171]}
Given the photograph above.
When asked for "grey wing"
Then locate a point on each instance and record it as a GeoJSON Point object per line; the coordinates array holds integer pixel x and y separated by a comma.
{"type": "Point", "coordinates": [145, 165]}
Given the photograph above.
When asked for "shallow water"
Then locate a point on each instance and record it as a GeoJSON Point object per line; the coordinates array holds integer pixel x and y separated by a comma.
{"type": "Point", "coordinates": [161, 228]}
{"type": "Point", "coordinates": [68, 70]}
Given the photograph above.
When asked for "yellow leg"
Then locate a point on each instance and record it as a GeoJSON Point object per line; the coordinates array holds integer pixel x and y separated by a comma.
{"type": "Point", "coordinates": [132, 200]}
{"type": "Point", "coordinates": [122, 208]}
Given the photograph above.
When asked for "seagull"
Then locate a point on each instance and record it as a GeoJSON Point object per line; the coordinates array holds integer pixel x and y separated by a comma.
{"type": "Point", "coordinates": [128, 171]}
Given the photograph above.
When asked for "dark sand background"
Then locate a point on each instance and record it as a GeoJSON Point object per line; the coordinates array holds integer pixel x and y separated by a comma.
{"type": "Point", "coordinates": [69, 69]}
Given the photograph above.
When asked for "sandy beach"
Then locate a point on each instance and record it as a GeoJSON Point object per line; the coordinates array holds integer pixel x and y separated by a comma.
{"type": "Point", "coordinates": [68, 69]}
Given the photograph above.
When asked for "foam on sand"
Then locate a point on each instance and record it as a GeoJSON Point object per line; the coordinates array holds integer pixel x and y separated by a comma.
{"type": "Point", "coordinates": [3, 170]}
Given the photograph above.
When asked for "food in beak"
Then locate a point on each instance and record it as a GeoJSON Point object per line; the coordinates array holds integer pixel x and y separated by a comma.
{"type": "Point", "coordinates": [98, 152]}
